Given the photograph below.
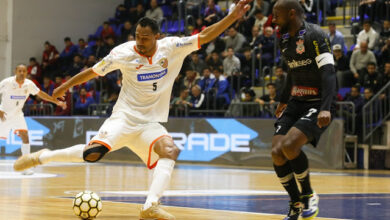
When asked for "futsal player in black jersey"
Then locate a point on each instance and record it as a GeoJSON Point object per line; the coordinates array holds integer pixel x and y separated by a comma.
{"type": "Point", "coordinates": [306, 104]}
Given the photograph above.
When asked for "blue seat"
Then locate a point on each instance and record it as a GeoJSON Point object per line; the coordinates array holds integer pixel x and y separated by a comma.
{"type": "Point", "coordinates": [343, 91]}
{"type": "Point", "coordinates": [167, 10]}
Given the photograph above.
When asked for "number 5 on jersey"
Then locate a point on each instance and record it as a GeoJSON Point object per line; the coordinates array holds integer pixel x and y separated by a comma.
{"type": "Point", "coordinates": [155, 86]}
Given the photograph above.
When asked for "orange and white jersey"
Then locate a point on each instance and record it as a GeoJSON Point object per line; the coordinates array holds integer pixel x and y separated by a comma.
{"type": "Point", "coordinates": [14, 95]}
{"type": "Point", "coordinates": [147, 81]}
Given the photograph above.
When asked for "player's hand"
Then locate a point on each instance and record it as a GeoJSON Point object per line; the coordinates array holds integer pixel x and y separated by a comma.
{"type": "Point", "coordinates": [2, 115]}
{"type": "Point", "coordinates": [59, 92]}
{"type": "Point", "coordinates": [279, 110]}
{"type": "Point", "coordinates": [241, 8]}
{"type": "Point", "coordinates": [62, 104]}
{"type": "Point", "coordinates": [323, 119]}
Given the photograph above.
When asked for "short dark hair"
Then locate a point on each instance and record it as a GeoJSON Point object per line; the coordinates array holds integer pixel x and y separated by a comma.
{"type": "Point", "coordinates": [332, 24]}
{"type": "Point", "coordinates": [371, 64]}
{"type": "Point", "coordinates": [292, 4]}
{"type": "Point", "coordinates": [357, 87]}
{"type": "Point", "coordinates": [81, 39]}
{"type": "Point", "coordinates": [271, 84]}
{"type": "Point", "coordinates": [33, 59]}
{"type": "Point", "coordinates": [367, 22]}
{"type": "Point", "coordinates": [258, 11]}
{"type": "Point", "coordinates": [67, 39]}
{"type": "Point", "coordinates": [148, 22]}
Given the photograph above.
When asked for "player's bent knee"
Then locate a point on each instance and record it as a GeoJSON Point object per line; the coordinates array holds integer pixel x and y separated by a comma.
{"type": "Point", "coordinates": [165, 148]}
{"type": "Point", "coordinates": [289, 149]}
{"type": "Point", "coordinates": [94, 152]}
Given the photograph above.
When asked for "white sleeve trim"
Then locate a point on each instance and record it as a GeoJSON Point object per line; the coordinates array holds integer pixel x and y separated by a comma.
{"type": "Point", "coordinates": [324, 59]}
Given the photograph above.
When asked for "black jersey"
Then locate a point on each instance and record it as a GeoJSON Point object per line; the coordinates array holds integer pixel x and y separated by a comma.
{"type": "Point", "coordinates": [311, 75]}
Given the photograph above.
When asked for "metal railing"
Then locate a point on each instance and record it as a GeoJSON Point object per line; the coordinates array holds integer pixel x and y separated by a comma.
{"type": "Point", "coordinates": [38, 109]}
{"type": "Point", "coordinates": [375, 112]}
{"type": "Point", "coordinates": [103, 109]}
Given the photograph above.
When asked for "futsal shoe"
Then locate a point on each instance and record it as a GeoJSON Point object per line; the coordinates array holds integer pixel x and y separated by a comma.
{"type": "Point", "coordinates": [27, 161]}
{"type": "Point", "coordinates": [310, 203]}
{"type": "Point", "coordinates": [155, 212]}
{"type": "Point", "coordinates": [295, 211]}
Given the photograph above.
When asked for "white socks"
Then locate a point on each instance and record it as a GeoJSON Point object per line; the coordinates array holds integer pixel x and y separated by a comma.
{"type": "Point", "coordinates": [25, 149]}
{"type": "Point", "coordinates": [70, 154]}
{"type": "Point", "coordinates": [161, 178]}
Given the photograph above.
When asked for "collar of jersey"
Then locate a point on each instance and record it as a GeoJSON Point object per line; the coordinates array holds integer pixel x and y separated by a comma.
{"type": "Point", "coordinates": [150, 59]}
{"type": "Point", "coordinates": [301, 32]}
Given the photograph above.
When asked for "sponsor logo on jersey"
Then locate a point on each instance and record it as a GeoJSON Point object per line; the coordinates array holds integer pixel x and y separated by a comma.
{"type": "Point", "coordinates": [300, 47]}
{"type": "Point", "coordinates": [18, 97]}
{"type": "Point", "coordinates": [163, 62]}
{"type": "Point", "coordinates": [298, 63]}
{"type": "Point", "coordinates": [183, 44]}
{"type": "Point", "coordinates": [303, 91]}
{"type": "Point", "coordinates": [151, 76]}
{"type": "Point", "coordinates": [317, 49]}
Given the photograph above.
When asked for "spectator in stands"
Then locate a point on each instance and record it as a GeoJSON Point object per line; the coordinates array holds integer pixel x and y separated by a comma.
{"type": "Point", "coordinates": [307, 5]}
{"type": "Point", "coordinates": [58, 81]}
{"type": "Point", "coordinates": [254, 39]}
{"type": "Point", "coordinates": [368, 93]}
{"type": "Point", "coordinates": [100, 50]}
{"type": "Point", "coordinates": [110, 43]}
{"type": "Point", "coordinates": [127, 29]}
{"type": "Point", "coordinates": [368, 34]}
{"type": "Point", "coordinates": [385, 33]}
{"type": "Point", "coordinates": [34, 69]}
{"type": "Point", "coordinates": [384, 54]}
{"type": "Point", "coordinates": [47, 85]}
{"type": "Point", "coordinates": [138, 13]}
{"type": "Point", "coordinates": [371, 78]}
{"type": "Point", "coordinates": [359, 60]}
{"type": "Point", "coordinates": [214, 61]}
{"type": "Point", "coordinates": [234, 39]}
{"type": "Point", "coordinates": [76, 66]}
{"type": "Point", "coordinates": [221, 89]}
{"type": "Point", "coordinates": [83, 102]}
{"type": "Point", "coordinates": [196, 63]}
{"type": "Point", "coordinates": [107, 31]}
{"type": "Point", "coordinates": [207, 81]}
{"type": "Point", "coordinates": [197, 99]}
{"type": "Point", "coordinates": [246, 66]}
{"type": "Point", "coordinates": [178, 85]}
{"type": "Point", "coordinates": [267, 101]}
{"type": "Point", "coordinates": [260, 20]}
{"type": "Point", "coordinates": [281, 76]}
{"type": "Point", "coordinates": [199, 26]}
{"type": "Point", "coordinates": [344, 75]}
{"type": "Point", "coordinates": [83, 48]}
{"type": "Point", "coordinates": [91, 61]}
{"type": "Point", "coordinates": [121, 14]}
{"type": "Point", "coordinates": [59, 111]}
{"type": "Point", "coordinates": [155, 12]}
{"type": "Point", "coordinates": [335, 36]}
{"type": "Point", "coordinates": [249, 110]}
{"type": "Point", "coordinates": [267, 44]}
{"type": "Point", "coordinates": [232, 6]}
{"type": "Point", "coordinates": [386, 73]}
{"type": "Point", "coordinates": [49, 58]}
{"type": "Point", "coordinates": [355, 97]}
{"type": "Point", "coordinates": [179, 104]}
{"type": "Point", "coordinates": [262, 5]}
{"type": "Point", "coordinates": [191, 78]}
{"type": "Point", "coordinates": [218, 45]}
{"type": "Point", "coordinates": [212, 13]}
{"type": "Point", "coordinates": [67, 54]}
{"type": "Point", "coordinates": [231, 63]}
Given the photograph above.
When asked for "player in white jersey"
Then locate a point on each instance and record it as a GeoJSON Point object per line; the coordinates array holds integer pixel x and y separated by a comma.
{"type": "Point", "coordinates": [15, 90]}
{"type": "Point", "coordinates": [149, 67]}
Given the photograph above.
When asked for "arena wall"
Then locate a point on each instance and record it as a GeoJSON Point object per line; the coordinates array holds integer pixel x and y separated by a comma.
{"type": "Point", "coordinates": [239, 142]}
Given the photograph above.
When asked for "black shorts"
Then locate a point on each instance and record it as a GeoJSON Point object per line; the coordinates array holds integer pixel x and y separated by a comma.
{"type": "Point", "coordinates": [302, 115]}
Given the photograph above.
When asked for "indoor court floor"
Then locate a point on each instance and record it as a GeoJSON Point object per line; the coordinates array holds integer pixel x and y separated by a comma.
{"type": "Point", "coordinates": [196, 192]}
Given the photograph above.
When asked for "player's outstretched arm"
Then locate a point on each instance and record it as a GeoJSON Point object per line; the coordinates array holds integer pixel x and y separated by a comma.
{"type": "Point", "coordinates": [43, 95]}
{"type": "Point", "coordinates": [81, 77]}
{"type": "Point", "coordinates": [216, 29]}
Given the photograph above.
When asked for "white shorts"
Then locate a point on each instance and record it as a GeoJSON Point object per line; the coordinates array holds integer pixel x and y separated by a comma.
{"type": "Point", "coordinates": [118, 131]}
{"type": "Point", "coordinates": [12, 122]}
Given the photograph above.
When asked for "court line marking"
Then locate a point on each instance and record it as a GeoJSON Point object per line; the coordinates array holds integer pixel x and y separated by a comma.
{"type": "Point", "coordinates": [4, 175]}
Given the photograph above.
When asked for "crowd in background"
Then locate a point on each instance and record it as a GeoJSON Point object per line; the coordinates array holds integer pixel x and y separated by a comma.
{"type": "Point", "coordinates": [221, 72]}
